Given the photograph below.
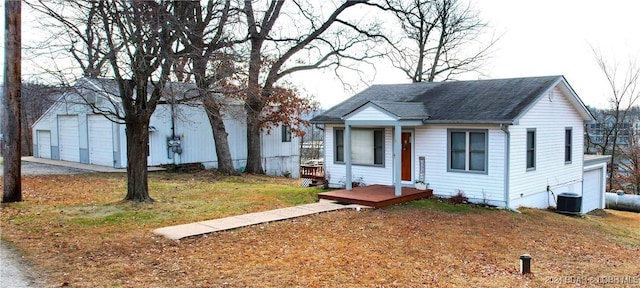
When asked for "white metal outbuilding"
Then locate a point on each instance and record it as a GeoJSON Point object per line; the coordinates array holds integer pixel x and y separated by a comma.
{"type": "Point", "coordinates": [79, 135]}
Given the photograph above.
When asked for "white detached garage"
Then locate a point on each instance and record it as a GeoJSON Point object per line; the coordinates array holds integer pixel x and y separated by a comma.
{"type": "Point", "coordinates": [594, 181]}
{"type": "Point", "coordinates": [70, 131]}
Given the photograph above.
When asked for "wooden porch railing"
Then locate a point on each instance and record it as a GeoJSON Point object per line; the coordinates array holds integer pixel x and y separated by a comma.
{"type": "Point", "coordinates": [312, 171]}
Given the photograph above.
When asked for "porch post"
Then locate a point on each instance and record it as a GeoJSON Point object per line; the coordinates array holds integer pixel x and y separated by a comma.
{"type": "Point", "coordinates": [397, 158]}
{"type": "Point", "coordinates": [347, 155]}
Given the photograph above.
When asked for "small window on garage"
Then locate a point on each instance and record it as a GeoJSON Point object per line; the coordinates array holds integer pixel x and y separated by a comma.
{"type": "Point", "coordinates": [286, 133]}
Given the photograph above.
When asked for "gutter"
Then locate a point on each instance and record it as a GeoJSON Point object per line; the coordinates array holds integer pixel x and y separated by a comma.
{"type": "Point", "coordinates": [429, 121]}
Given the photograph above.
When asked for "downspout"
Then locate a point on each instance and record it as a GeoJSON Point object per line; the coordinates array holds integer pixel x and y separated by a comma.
{"type": "Point", "coordinates": [507, 146]}
{"type": "Point", "coordinates": [173, 123]}
{"type": "Point", "coordinates": [347, 156]}
{"type": "Point", "coordinates": [171, 154]}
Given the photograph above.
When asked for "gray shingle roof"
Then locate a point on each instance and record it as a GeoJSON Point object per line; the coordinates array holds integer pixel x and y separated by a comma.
{"type": "Point", "coordinates": [404, 110]}
{"type": "Point", "coordinates": [477, 101]}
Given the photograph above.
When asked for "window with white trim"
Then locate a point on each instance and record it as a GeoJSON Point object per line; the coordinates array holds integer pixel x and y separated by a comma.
{"type": "Point", "coordinates": [567, 144]}
{"type": "Point", "coordinates": [468, 150]}
{"type": "Point", "coordinates": [367, 146]}
{"type": "Point", "coordinates": [531, 149]}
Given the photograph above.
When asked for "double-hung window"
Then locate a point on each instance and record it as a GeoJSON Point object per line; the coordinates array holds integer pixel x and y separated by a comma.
{"type": "Point", "coordinates": [531, 149]}
{"type": "Point", "coordinates": [367, 146]}
{"type": "Point", "coordinates": [468, 150]}
{"type": "Point", "coordinates": [567, 144]}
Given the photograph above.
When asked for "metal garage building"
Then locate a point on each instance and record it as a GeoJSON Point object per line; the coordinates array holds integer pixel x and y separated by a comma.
{"type": "Point", "coordinates": [70, 131]}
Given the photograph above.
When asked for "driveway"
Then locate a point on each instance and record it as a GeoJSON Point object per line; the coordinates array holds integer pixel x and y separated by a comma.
{"type": "Point", "coordinates": [33, 168]}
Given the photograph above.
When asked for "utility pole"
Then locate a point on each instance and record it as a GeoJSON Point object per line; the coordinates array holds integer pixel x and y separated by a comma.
{"type": "Point", "coordinates": [12, 187]}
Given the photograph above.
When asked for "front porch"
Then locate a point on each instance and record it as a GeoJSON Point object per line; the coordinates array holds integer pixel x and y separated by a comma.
{"type": "Point", "coordinates": [376, 196]}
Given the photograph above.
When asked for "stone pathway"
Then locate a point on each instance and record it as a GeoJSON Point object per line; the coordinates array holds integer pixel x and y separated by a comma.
{"type": "Point", "coordinates": [210, 226]}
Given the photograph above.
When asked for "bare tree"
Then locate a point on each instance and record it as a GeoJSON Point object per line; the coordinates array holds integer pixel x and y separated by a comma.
{"type": "Point", "coordinates": [437, 38]}
{"type": "Point", "coordinates": [36, 99]}
{"type": "Point", "coordinates": [208, 57]}
{"type": "Point", "coordinates": [141, 68]}
{"type": "Point", "coordinates": [134, 40]}
{"type": "Point", "coordinates": [624, 94]}
{"type": "Point", "coordinates": [284, 39]}
{"type": "Point", "coordinates": [76, 33]}
{"type": "Point", "coordinates": [12, 187]}
{"type": "Point", "coordinates": [630, 162]}
{"type": "Point", "coordinates": [599, 135]}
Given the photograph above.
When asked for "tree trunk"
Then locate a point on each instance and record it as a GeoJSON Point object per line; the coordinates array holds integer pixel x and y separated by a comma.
{"type": "Point", "coordinates": [137, 152]}
{"type": "Point", "coordinates": [12, 187]}
{"type": "Point", "coordinates": [612, 170]}
{"type": "Point", "coordinates": [225, 164]}
{"type": "Point", "coordinates": [254, 153]}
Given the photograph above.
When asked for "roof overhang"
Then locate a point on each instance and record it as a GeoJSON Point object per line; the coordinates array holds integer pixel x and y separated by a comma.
{"type": "Point", "coordinates": [470, 122]}
{"type": "Point", "coordinates": [389, 110]}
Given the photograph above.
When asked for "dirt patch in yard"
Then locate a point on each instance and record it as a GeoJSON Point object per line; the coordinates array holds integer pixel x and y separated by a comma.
{"type": "Point", "coordinates": [75, 230]}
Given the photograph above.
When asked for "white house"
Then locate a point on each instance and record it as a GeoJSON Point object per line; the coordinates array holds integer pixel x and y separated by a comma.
{"type": "Point", "coordinates": [178, 134]}
{"type": "Point", "coordinates": [507, 142]}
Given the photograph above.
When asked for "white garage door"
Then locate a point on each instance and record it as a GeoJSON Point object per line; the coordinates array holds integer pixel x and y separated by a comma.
{"type": "Point", "coordinates": [44, 144]}
{"type": "Point", "coordinates": [100, 141]}
{"type": "Point", "coordinates": [591, 190]}
{"type": "Point", "coordinates": [68, 140]}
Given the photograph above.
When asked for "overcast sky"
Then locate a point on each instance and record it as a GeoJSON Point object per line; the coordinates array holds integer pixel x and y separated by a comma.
{"type": "Point", "coordinates": [542, 37]}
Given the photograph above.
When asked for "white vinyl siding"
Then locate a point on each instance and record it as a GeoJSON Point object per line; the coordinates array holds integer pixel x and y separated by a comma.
{"type": "Point", "coordinates": [431, 143]}
{"type": "Point", "coordinates": [370, 113]}
{"type": "Point", "coordinates": [550, 116]}
{"type": "Point", "coordinates": [336, 172]}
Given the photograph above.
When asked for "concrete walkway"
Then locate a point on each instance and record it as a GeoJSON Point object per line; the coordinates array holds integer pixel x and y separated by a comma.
{"type": "Point", "coordinates": [90, 167]}
{"type": "Point", "coordinates": [210, 226]}
{"type": "Point", "coordinates": [14, 271]}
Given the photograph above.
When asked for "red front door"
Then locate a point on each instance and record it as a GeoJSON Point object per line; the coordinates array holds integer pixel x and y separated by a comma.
{"type": "Point", "coordinates": [406, 157]}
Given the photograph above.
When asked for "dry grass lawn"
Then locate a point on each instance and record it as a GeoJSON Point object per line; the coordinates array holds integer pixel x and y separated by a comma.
{"type": "Point", "coordinates": [76, 232]}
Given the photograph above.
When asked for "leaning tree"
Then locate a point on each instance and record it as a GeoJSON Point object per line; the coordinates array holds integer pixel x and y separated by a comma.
{"type": "Point", "coordinates": [208, 59]}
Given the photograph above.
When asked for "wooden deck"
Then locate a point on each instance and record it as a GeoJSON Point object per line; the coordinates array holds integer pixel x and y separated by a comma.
{"type": "Point", "coordinates": [376, 196]}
